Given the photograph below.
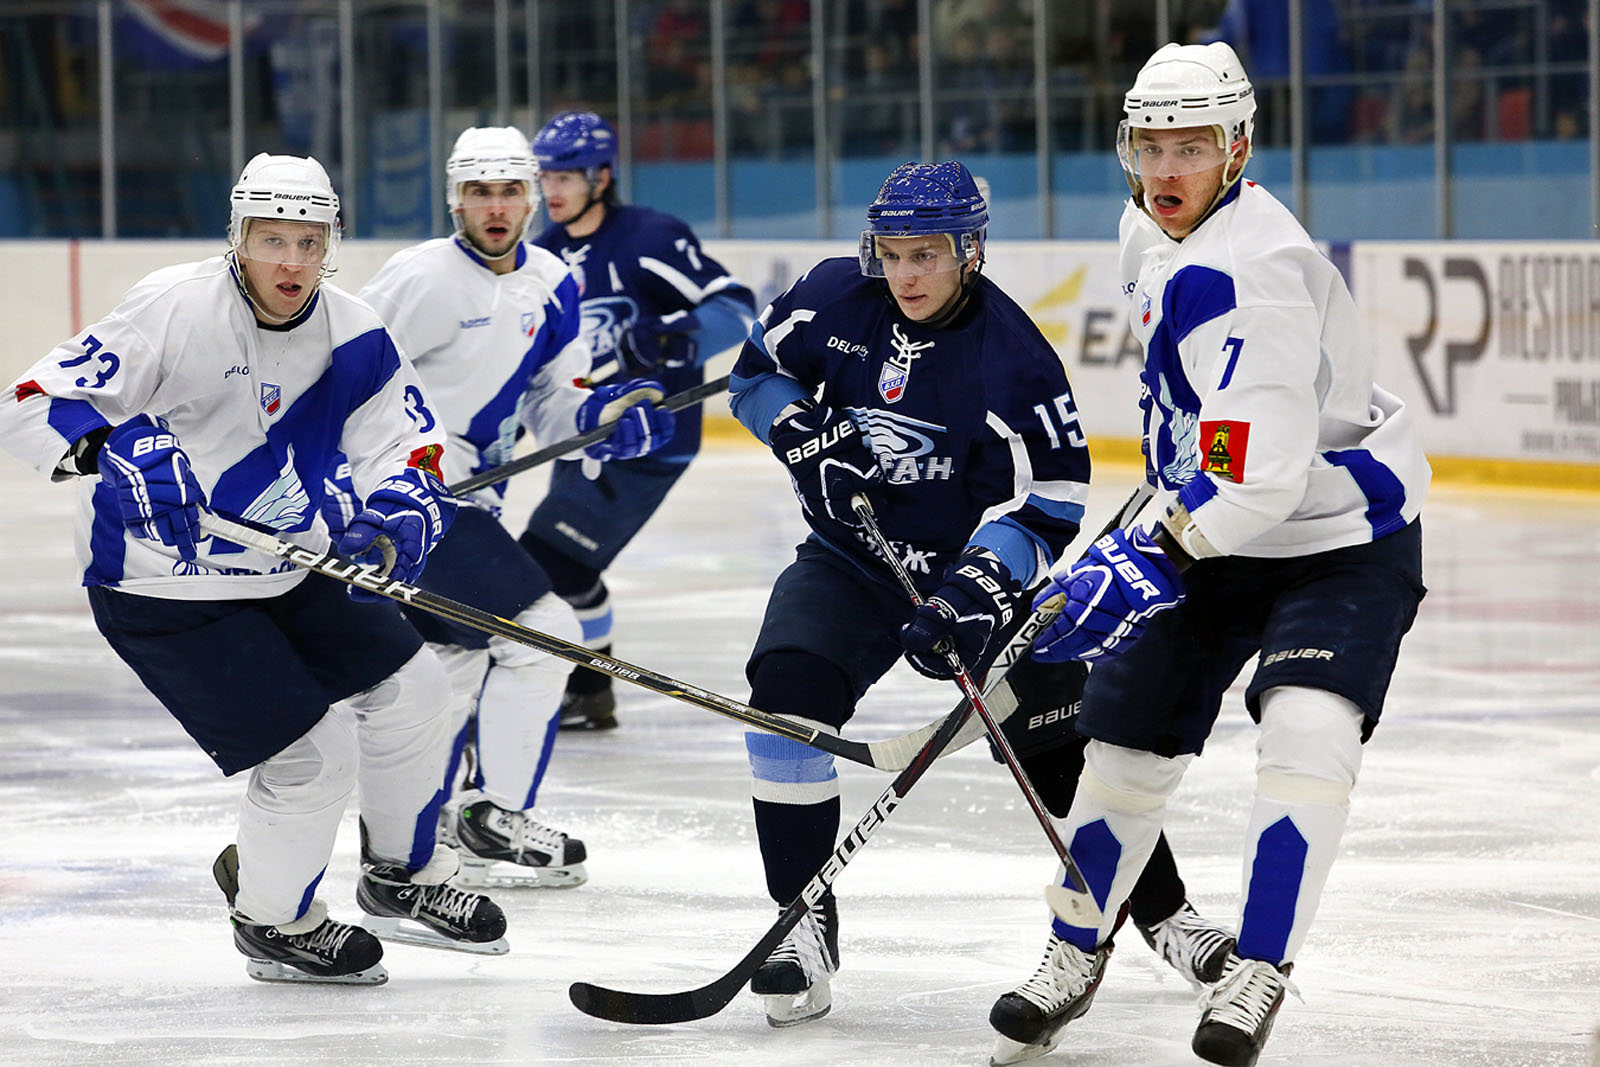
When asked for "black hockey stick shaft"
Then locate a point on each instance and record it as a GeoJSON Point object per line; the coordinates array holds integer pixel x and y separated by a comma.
{"type": "Point", "coordinates": [1089, 911]}
{"type": "Point", "coordinates": [675, 402]}
{"type": "Point", "coordinates": [623, 1007]}
{"type": "Point", "coordinates": [369, 578]}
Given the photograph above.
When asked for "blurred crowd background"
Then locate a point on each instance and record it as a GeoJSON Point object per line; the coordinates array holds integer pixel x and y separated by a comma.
{"type": "Point", "coordinates": [777, 118]}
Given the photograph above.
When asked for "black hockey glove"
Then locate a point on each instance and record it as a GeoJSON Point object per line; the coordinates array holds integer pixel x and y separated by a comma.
{"type": "Point", "coordinates": [663, 341]}
{"type": "Point", "coordinates": [977, 599]}
{"type": "Point", "coordinates": [830, 459]}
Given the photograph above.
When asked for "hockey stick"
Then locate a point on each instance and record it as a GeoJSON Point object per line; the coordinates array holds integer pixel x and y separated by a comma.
{"type": "Point", "coordinates": [1002, 702]}
{"type": "Point", "coordinates": [1081, 904]}
{"type": "Point", "coordinates": [675, 402]}
{"type": "Point", "coordinates": [622, 1007]}
{"type": "Point", "coordinates": [877, 754]}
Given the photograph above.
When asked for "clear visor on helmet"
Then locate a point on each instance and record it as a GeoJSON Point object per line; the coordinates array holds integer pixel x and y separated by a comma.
{"type": "Point", "coordinates": [283, 243]}
{"type": "Point", "coordinates": [1147, 153]}
{"type": "Point", "coordinates": [917, 255]}
{"type": "Point", "coordinates": [494, 193]}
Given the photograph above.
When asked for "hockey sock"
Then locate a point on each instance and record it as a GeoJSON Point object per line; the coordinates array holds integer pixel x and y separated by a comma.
{"type": "Point", "coordinates": [796, 840]}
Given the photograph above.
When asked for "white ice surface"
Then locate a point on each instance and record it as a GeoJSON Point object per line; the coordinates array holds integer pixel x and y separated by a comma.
{"type": "Point", "coordinates": [1461, 926]}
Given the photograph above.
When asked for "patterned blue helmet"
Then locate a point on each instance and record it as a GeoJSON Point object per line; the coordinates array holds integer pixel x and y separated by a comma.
{"type": "Point", "coordinates": [576, 140]}
{"type": "Point", "coordinates": [926, 198]}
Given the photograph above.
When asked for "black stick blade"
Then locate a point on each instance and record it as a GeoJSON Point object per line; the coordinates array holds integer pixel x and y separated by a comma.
{"type": "Point", "coordinates": [655, 1009]}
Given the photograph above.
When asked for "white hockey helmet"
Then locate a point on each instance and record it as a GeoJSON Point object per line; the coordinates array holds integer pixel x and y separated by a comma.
{"type": "Point", "coordinates": [1183, 86]}
{"type": "Point", "coordinates": [288, 189]}
{"type": "Point", "coordinates": [491, 154]}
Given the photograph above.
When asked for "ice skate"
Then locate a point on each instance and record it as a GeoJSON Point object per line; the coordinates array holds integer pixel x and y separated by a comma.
{"type": "Point", "coordinates": [503, 849]}
{"type": "Point", "coordinates": [594, 710]}
{"type": "Point", "coordinates": [1238, 1012]}
{"type": "Point", "coordinates": [794, 982]}
{"type": "Point", "coordinates": [1030, 1018]}
{"type": "Point", "coordinates": [1196, 948]}
{"type": "Point", "coordinates": [420, 908]}
{"type": "Point", "coordinates": [312, 948]}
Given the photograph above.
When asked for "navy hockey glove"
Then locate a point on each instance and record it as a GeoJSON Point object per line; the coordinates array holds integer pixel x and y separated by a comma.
{"type": "Point", "coordinates": [1110, 593]}
{"type": "Point", "coordinates": [642, 428]}
{"type": "Point", "coordinates": [158, 494]}
{"type": "Point", "coordinates": [661, 341]}
{"type": "Point", "coordinates": [830, 459]}
{"type": "Point", "coordinates": [339, 501]}
{"type": "Point", "coordinates": [404, 518]}
{"type": "Point", "coordinates": [978, 597]}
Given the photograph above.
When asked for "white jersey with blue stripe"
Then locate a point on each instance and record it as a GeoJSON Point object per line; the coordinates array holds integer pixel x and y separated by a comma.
{"type": "Point", "coordinates": [497, 353]}
{"type": "Point", "coordinates": [1261, 414]}
{"type": "Point", "coordinates": [973, 423]}
{"type": "Point", "coordinates": [260, 411]}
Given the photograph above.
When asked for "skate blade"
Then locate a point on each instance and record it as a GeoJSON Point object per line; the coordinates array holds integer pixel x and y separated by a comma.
{"type": "Point", "coordinates": [1007, 1051]}
{"type": "Point", "coordinates": [1072, 907]}
{"type": "Point", "coordinates": [407, 932]}
{"type": "Point", "coordinates": [273, 971]}
{"type": "Point", "coordinates": [792, 1009]}
{"type": "Point", "coordinates": [489, 874]}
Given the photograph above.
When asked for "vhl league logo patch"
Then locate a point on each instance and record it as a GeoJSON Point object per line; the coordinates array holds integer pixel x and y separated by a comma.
{"type": "Point", "coordinates": [896, 373]}
{"type": "Point", "coordinates": [271, 398]}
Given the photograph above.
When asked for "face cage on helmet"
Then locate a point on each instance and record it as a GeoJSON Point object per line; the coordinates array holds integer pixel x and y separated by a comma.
{"type": "Point", "coordinates": [966, 248]}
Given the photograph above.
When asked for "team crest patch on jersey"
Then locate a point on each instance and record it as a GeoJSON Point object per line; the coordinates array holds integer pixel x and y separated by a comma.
{"type": "Point", "coordinates": [1225, 444]}
{"type": "Point", "coordinates": [892, 383]}
{"type": "Point", "coordinates": [427, 458]}
{"type": "Point", "coordinates": [271, 398]}
{"type": "Point", "coordinates": [528, 322]}
{"type": "Point", "coordinates": [1144, 316]}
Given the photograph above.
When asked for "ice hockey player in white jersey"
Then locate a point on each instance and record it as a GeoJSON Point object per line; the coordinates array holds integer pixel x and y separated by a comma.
{"type": "Point", "coordinates": [228, 384]}
{"type": "Point", "coordinates": [1291, 487]}
{"type": "Point", "coordinates": [491, 324]}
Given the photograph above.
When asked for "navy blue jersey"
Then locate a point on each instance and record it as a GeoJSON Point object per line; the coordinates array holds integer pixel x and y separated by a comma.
{"type": "Point", "coordinates": [973, 423]}
{"type": "Point", "coordinates": [643, 263]}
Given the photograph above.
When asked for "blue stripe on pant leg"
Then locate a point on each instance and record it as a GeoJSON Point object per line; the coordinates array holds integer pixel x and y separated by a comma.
{"type": "Point", "coordinates": [1096, 851]}
{"type": "Point", "coordinates": [1275, 879]}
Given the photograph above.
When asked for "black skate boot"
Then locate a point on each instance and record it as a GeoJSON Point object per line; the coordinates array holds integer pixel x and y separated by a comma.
{"type": "Point", "coordinates": [419, 908]}
{"type": "Point", "coordinates": [794, 982]}
{"type": "Point", "coordinates": [589, 703]}
{"type": "Point", "coordinates": [1196, 949]}
{"type": "Point", "coordinates": [312, 948]}
{"type": "Point", "coordinates": [1239, 1011]}
{"type": "Point", "coordinates": [489, 837]}
{"type": "Point", "coordinates": [1030, 1018]}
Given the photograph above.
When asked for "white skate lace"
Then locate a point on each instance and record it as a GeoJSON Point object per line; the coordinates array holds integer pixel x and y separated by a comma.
{"type": "Point", "coordinates": [1245, 995]}
{"type": "Point", "coordinates": [452, 905]}
{"type": "Point", "coordinates": [531, 836]}
{"type": "Point", "coordinates": [805, 947]}
{"type": "Point", "coordinates": [1186, 940]}
{"type": "Point", "coordinates": [326, 940]}
{"type": "Point", "coordinates": [1063, 974]}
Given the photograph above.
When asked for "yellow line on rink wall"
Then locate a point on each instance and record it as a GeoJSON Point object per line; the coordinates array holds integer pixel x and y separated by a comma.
{"type": "Point", "coordinates": [1452, 470]}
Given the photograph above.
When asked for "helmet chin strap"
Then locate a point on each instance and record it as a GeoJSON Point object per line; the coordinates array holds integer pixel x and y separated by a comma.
{"type": "Point", "coordinates": [240, 279]}
{"type": "Point", "coordinates": [969, 278]}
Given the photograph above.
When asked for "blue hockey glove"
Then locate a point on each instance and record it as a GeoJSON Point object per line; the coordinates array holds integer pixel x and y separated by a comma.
{"type": "Point", "coordinates": [1110, 593]}
{"type": "Point", "coordinates": [661, 341]}
{"type": "Point", "coordinates": [830, 459]}
{"type": "Point", "coordinates": [641, 426]}
{"type": "Point", "coordinates": [158, 494]}
{"type": "Point", "coordinates": [339, 501]}
{"type": "Point", "coordinates": [977, 598]}
{"type": "Point", "coordinates": [407, 515]}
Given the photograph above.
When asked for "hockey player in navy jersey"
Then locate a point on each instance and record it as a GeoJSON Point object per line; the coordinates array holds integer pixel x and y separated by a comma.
{"type": "Point", "coordinates": [905, 375]}
{"type": "Point", "coordinates": [492, 327]}
{"type": "Point", "coordinates": [229, 384]}
{"type": "Point", "coordinates": [1291, 488]}
{"type": "Point", "coordinates": [654, 304]}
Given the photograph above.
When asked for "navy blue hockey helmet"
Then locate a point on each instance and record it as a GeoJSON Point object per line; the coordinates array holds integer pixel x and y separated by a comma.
{"type": "Point", "coordinates": [576, 140]}
{"type": "Point", "coordinates": [926, 198]}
